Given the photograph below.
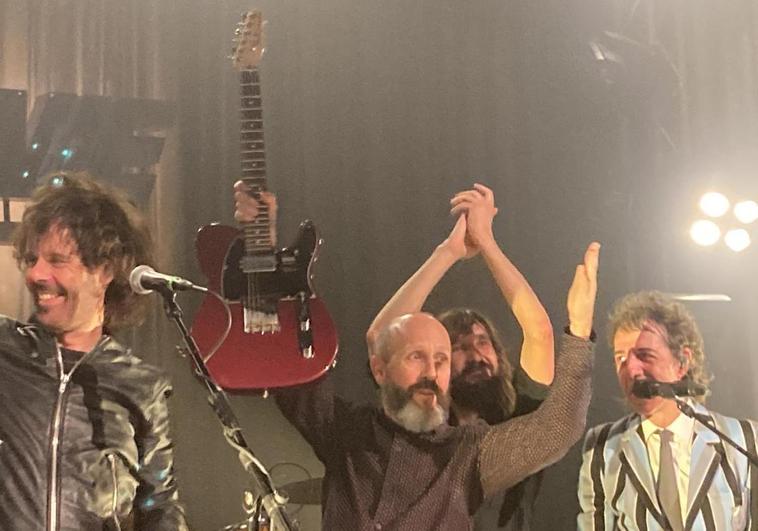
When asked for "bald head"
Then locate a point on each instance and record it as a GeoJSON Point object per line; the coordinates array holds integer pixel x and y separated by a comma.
{"type": "Point", "coordinates": [410, 325]}
{"type": "Point", "coordinates": [413, 346]}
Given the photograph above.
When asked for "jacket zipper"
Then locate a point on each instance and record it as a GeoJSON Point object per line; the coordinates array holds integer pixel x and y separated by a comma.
{"type": "Point", "coordinates": [55, 442]}
{"type": "Point", "coordinates": [114, 477]}
{"type": "Point", "coordinates": [53, 486]}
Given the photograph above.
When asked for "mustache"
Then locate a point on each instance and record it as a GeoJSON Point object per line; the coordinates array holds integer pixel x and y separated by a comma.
{"type": "Point", "coordinates": [474, 366]}
{"type": "Point", "coordinates": [43, 287]}
{"type": "Point", "coordinates": [425, 383]}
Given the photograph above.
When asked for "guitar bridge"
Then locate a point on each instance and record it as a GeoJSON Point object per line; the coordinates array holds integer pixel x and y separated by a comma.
{"type": "Point", "coordinates": [258, 322]}
{"type": "Point", "coordinates": [304, 333]}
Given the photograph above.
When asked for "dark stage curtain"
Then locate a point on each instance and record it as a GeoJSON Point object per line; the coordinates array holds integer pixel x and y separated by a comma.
{"type": "Point", "coordinates": [377, 112]}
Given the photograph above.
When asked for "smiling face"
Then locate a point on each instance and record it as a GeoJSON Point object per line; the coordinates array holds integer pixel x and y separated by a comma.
{"type": "Point", "coordinates": [474, 358]}
{"type": "Point", "coordinates": [69, 297]}
{"type": "Point", "coordinates": [645, 354]}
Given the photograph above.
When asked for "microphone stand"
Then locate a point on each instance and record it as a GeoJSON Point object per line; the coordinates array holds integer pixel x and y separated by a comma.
{"type": "Point", "coordinates": [271, 501]}
{"type": "Point", "coordinates": [688, 410]}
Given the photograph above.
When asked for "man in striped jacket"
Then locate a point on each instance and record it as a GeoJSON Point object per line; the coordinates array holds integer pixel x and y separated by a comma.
{"type": "Point", "coordinates": [657, 469]}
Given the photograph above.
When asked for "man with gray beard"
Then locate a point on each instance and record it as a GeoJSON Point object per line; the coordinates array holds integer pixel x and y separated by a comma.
{"type": "Point", "coordinates": [408, 413]}
{"type": "Point", "coordinates": [402, 466]}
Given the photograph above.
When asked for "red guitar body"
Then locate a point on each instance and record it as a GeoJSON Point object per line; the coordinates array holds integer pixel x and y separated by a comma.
{"type": "Point", "coordinates": [257, 361]}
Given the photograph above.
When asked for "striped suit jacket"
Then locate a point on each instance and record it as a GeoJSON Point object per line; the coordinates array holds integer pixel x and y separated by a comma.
{"type": "Point", "coordinates": [617, 489]}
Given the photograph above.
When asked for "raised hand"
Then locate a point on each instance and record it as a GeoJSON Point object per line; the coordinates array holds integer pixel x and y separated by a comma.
{"type": "Point", "coordinates": [478, 204]}
{"type": "Point", "coordinates": [582, 293]}
{"type": "Point", "coordinates": [247, 207]}
{"type": "Point", "coordinates": [457, 242]}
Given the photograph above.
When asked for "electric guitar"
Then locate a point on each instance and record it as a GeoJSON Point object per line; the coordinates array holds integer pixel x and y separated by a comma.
{"type": "Point", "coordinates": [282, 334]}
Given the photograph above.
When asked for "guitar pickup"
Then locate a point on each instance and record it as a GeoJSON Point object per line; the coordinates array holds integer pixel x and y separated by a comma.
{"type": "Point", "coordinates": [257, 322]}
{"type": "Point", "coordinates": [262, 263]}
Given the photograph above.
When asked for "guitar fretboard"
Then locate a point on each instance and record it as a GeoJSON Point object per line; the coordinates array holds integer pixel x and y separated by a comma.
{"type": "Point", "coordinates": [252, 155]}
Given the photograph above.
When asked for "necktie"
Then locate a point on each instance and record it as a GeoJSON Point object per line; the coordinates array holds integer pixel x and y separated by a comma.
{"type": "Point", "coordinates": [668, 493]}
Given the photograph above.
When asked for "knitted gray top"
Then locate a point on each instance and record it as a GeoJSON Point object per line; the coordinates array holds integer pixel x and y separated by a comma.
{"type": "Point", "coordinates": [380, 476]}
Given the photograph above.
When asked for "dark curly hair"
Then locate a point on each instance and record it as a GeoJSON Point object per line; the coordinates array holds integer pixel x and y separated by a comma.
{"type": "Point", "coordinates": [107, 228]}
{"type": "Point", "coordinates": [458, 322]}
{"type": "Point", "coordinates": [632, 311]}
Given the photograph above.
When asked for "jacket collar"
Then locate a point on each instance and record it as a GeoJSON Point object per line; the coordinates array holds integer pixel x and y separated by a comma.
{"type": "Point", "coordinates": [45, 339]}
{"type": "Point", "coordinates": [703, 457]}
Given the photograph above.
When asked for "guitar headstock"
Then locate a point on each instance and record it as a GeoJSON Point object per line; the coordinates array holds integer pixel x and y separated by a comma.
{"type": "Point", "coordinates": [248, 41]}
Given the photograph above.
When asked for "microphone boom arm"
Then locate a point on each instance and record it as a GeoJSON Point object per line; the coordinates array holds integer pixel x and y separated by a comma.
{"type": "Point", "coordinates": [271, 500]}
{"type": "Point", "coordinates": [688, 410]}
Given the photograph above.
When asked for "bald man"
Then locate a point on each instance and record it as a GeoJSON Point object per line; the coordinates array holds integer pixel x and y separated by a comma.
{"type": "Point", "coordinates": [402, 466]}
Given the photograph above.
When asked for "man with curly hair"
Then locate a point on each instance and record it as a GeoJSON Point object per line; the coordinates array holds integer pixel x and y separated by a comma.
{"type": "Point", "coordinates": [657, 468]}
{"type": "Point", "coordinates": [84, 440]}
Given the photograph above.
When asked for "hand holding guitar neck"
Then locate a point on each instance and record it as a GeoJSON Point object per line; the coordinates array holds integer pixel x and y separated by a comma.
{"type": "Point", "coordinates": [247, 207]}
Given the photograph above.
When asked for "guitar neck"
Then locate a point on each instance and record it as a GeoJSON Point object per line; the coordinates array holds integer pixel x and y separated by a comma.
{"type": "Point", "coordinates": [257, 233]}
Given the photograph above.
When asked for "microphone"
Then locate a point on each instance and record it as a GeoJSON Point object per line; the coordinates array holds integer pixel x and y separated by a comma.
{"type": "Point", "coordinates": [651, 388]}
{"type": "Point", "coordinates": [143, 279]}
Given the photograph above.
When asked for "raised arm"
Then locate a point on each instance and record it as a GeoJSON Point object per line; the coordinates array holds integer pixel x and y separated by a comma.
{"type": "Point", "coordinates": [413, 293]}
{"type": "Point", "coordinates": [523, 445]}
{"type": "Point", "coordinates": [537, 349]}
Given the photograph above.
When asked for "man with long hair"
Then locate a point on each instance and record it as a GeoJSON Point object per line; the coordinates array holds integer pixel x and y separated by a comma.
{"type": "Point", "coordinates": [84, 440]}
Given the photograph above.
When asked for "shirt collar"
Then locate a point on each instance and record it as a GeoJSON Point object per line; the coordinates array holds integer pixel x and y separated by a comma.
{"type": "Point", "coordinates": [682, 427]}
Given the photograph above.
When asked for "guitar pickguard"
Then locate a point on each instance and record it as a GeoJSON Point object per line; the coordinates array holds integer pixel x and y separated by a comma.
{"type": "Point", "coordinates": [289, 279]}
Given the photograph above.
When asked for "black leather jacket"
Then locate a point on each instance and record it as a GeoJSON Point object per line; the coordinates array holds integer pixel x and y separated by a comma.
{"type": "Point", "coordinates": [84, 452]}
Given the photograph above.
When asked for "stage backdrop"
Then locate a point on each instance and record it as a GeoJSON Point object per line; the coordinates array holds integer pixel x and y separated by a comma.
{"type": "Point", "coordinates": [590, 120]}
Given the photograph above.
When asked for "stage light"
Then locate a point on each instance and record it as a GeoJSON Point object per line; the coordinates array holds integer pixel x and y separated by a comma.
{"type": "Point", "coordinates": [746, 211]}
{"type": "Point", "coordinates": [704, 232]}
{"type": "Point", "coordinates": [25, 174]}
{"type": "Point", "coordinates": [67, 153]}
{"type": "Point", "coordinates": [737, 240]}
{"type": "Point", "coordinates": [714, 204]}
{"type": "Point", "coordinates": [35, 146]}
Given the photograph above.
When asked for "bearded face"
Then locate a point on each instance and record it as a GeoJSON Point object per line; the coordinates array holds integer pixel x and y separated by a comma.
{"type": "Point", "coordinates": [399, 405]}
{"type": "Point", "coordinates": [477, 389]}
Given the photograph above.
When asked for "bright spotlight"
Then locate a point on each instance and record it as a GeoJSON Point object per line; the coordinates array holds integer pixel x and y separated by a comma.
{"type": "Point", "coordinates": [737, 239]}
{"type": "Point", "coordinates": [704, 232]}
{"type": "Point", "coordinates": [714, 204]}
{"type": "Point", "coordinates": [746, 211]}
